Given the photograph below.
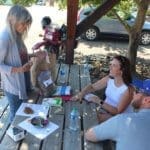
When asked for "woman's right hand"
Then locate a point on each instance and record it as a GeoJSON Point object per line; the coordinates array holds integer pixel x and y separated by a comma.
{"type": "Point", "coordinates": [26, 67]}
{"type": "Point", "coordinates": [77, 97]}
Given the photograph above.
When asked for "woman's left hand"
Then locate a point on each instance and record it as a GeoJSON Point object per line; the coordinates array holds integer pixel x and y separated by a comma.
{"type": "Point", "coordinates": [26, 67]}
{"type": "Point", "coordinates": [77, 97]}
{"type": "Point", "coordinates": [95, 99]}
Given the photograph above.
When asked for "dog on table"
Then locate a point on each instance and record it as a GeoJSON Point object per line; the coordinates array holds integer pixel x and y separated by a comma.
{"type": "Point", "coordinates": [41, 63]}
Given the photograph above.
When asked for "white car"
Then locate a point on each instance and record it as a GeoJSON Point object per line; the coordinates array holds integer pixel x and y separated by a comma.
{"type": "Point", "coordinates": [111, 27]}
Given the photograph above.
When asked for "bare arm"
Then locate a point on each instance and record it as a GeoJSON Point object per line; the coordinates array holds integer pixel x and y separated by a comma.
{"type": "Point", "coordinates": [26, 67]}
{"type": "Point", "coordinates": [91, 88]}
{"type": "Point", "coordinates": [123, 104]}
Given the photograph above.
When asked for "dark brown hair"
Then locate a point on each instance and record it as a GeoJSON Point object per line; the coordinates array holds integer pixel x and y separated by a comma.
{"type": "Point", "coordinates": [125, 67]}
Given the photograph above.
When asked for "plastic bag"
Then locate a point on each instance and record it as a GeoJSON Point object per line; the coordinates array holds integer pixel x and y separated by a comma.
{"type": "Point", "coordinates": [46, 83]}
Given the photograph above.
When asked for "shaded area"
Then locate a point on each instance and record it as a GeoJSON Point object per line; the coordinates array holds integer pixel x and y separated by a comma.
{"type": "Point", "coordinates": [99, 60]}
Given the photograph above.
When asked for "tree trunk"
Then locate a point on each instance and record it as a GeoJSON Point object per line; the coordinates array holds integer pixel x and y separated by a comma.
{"type": "Point", "coordinates": [133, 46]}
{"type": "Point", "coordinates": [51, 3]}
{"type": "Point", "coordinates": [72, 10]}
{"type": "Point", "coordinates": [134, 35]}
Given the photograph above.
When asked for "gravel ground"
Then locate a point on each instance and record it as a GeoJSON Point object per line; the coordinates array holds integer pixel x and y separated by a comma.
{"type": "Point", "coordinates": [100, 50]}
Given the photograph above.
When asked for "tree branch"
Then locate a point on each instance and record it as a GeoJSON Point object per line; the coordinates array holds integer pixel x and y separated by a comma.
{"type": "Point", "coordinates": [97, 14]}
{"type": "Point", "coordinates": [125, 24]}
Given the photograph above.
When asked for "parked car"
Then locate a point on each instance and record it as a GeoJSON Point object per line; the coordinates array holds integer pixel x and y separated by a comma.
{"type": "Point", "coordinates": [111, 27]}
{"type": "Point", "coordinates": [41, 2]}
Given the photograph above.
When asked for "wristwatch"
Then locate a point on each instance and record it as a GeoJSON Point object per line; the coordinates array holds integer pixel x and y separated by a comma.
{"type": "Point", "coordinates": [101, 103]}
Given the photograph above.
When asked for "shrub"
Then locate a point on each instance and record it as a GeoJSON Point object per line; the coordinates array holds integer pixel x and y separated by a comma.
{"type": "Point", "coordinates": [24, 2]}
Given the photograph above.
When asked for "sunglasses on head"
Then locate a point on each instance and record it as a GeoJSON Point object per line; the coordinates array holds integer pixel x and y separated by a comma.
{"type": "Point", "coordinates": [143, 91]}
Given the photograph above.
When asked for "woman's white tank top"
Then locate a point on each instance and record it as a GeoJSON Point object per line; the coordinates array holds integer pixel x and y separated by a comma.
{"type": "Point", "coordinates": [114, 93]}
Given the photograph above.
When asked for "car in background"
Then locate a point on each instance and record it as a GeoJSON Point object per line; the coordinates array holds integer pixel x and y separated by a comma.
{"type": "Point", "coordinates": [41, 2]}
{"type": "Point", "coordinates": [107, 26]}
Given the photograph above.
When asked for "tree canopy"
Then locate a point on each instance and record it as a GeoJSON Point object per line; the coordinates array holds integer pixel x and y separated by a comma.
{"type": "Point", "coordinates": [122, 11]}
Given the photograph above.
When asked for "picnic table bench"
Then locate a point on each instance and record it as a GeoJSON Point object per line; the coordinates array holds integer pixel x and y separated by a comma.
{"type": "Point", "coordinates": [62, 138]}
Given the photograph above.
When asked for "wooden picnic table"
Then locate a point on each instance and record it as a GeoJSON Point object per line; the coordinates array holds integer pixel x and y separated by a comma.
{"type": "Point", "coordinates": [62, 138]}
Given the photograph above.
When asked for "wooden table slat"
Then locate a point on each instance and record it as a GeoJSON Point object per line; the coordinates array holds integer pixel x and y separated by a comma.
{"type": "Point", "coordinates": [54, 140]}
{"type": "Point", "coordinates": [3, 105]}
{"type": "Point", "coordinates": [72, 139]}
{"type": "Point", "coordinates": [4, 123]}
{"type": "Point", "coordinates": [89, 120]}
{"type": "Point", "coordinates": [30, 143]}
{"type": "Point", "coordinates": [74, 79]}
{"type": "Point", "coordinates": [65, 68]}
{"type": "Point", "coordinates": [85, 79]}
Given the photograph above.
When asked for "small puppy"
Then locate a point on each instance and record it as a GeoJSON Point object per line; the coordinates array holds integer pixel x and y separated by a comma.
{"type": "Point", "coordinates": [42, 63]}
{"type": "Point", "coordinates": [45, 61]}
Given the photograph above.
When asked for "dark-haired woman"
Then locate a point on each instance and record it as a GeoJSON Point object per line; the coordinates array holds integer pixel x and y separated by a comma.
{"type": "Point", "coordinates": [118, 91]}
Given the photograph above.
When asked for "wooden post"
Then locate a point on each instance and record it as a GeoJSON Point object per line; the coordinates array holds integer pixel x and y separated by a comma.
{"type": "Point", "coordinates": [72, 11]}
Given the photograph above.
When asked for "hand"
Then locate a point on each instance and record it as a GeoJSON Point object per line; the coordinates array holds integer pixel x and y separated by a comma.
{"type": "Point", "coordinates": [77, 97]}
{"type": "Point", "coordinates": [41, 54]}
{"type": "Point", "coordinates": [95, 99]}
{"type": "Point", "coordinates": [26, 67]}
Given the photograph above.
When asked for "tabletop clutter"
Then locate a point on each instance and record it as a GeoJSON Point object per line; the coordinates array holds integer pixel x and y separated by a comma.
{"type": "Point", "coordinates": [37, 122]}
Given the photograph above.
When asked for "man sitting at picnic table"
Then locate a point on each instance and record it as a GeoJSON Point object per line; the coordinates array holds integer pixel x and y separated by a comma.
{"type": "Point", "coordinates": [131, 131]}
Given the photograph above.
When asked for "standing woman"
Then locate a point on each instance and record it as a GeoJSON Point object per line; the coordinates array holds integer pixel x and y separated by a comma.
{"type": "Point", "coordinates": [118, 91]}
{"type": "Point", "coordinates": [14, 59]}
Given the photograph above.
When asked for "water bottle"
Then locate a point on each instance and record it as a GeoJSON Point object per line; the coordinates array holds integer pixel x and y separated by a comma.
{"type": "Point", "coordinates": [62, 77]}
{"type": "Point", "coordinates": [74, 120]}
{"type": "Point", "coordinates": [86, 69]}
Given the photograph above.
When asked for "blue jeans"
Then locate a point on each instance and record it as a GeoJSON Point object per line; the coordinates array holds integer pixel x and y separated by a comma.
{"type": "Point", "coordinates": [14, 103]}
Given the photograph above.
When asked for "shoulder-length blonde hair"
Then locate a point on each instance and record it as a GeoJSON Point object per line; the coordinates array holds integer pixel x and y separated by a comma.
{"type": "Point", "coordinates": [18, 14]}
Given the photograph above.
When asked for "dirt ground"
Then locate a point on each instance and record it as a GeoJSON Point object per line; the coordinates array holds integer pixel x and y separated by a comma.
{"type": "Point", "coordinates": [97, 54]}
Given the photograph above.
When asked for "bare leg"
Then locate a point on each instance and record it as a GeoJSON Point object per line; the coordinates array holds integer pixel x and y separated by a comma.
{"type": "Point", "coordinates": [52, 59]}
{"type": "Point", "coordinates": [103, 117]}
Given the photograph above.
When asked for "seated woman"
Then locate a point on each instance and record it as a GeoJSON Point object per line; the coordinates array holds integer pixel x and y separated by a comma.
{"type": "Point", "coordinates": [119, 90]}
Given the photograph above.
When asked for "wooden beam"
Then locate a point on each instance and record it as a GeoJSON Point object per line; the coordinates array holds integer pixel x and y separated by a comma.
{"type": "Point", "coordinates": [72, 10]}
{"type": "Point", "coordinates": [97, 14]}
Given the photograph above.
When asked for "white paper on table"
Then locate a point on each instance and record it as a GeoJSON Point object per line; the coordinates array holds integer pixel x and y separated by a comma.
{"type": "Point", "coordinates": [38, 132]}
{"type": "Point", "coordinates": [39, 110]}
{"type": "Point", "coordinates": [89, 97]}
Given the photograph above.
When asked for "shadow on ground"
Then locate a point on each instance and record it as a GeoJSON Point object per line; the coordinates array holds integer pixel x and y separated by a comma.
{"type": "Point", "coordinates": [99, 53]}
